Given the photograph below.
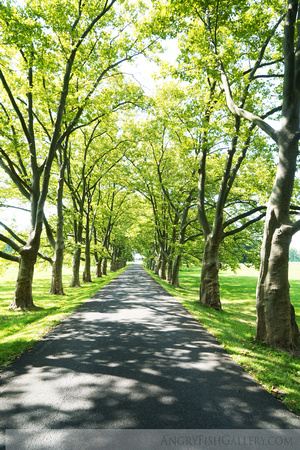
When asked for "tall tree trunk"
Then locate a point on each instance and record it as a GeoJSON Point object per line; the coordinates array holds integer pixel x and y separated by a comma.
{"type": "Point", "coordinates": [87, 278]}
{"type": "Point", "coordinates": [158, 263]}
{"type": "Point", "coordinates": [175, 271]}
{"type": "Point", "coordinates": [169, 269]}
{"type": "Point", "coordinates": [23, 293]}
{"type": "Point", "coordinates": [276, 324]}
{"type": "Point", "coordinates": [209, 286]}
{"type": "Point", "coordinates": [76, 268]}
{"type": "Point", "coordinates": [57, 269]}
{"type": "Point", "coordinates": [113, 261]}
{"type": "Point", "coordinates": [104, 266]}
{"type": "Point", "coordinates": [162, 269]}
{"type": "Point", "coordinates": [57, 266]}
{"type": "Point", "coordinates": [171, 259]}
{"type": "Point", "coordinates": [99, 268]}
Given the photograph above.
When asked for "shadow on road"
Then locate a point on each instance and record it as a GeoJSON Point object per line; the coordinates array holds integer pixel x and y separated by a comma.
{"type": "Point", "coordinates": [133, 357]}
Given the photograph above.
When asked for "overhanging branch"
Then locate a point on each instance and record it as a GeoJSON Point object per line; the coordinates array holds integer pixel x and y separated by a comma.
{"type": "Point", "coordinates": [9, 257]}
{"type": "Point", "coordinates": [243, 227]}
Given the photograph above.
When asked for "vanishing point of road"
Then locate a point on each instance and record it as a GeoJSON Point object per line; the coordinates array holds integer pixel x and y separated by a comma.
{"type": "Point", "coordinates": [132, 358]}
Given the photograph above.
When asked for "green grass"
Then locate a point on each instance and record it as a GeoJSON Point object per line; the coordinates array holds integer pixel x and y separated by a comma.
{"type": "Point", "coordinates": [235, 327]}
{"type": "Point", "coordinates": [19, 330]}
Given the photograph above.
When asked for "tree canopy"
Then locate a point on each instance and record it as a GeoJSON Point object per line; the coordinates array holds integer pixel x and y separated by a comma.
{"type": "Point", "coordinates": [193, 172]}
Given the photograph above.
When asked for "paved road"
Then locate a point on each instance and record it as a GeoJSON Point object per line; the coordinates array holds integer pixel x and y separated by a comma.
{"type": "Point", "coordinates": [133, 358]}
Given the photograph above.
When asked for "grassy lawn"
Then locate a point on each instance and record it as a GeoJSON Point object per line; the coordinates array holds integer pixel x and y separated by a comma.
{"type": "Point", "coordinates": [235, 326]}
{"type": "Point", "coordinates": [19, 330]}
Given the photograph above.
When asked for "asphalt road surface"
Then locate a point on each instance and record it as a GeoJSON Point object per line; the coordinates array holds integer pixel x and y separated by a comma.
{"type": "Point", "coordinates": [131, 358]}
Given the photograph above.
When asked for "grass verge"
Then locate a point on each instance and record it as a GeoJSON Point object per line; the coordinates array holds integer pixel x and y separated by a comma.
{"type": "Point", "coordinates": [234, 327]}
{"type": "Point", "coordinates": [19, 330]}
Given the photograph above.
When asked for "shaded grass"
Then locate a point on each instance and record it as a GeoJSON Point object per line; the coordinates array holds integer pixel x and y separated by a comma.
{"type": "Point", "coordinates": [19, 330]}
{"type": "Point", "coordinates": [235, 326]}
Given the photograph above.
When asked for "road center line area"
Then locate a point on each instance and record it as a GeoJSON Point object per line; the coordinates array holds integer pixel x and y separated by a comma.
{"type": "Point", "coordinates": [132, 357]}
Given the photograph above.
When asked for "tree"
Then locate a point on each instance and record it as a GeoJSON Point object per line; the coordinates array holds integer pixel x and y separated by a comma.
{"type": "Point", "coordinates": [276, 316]}
{"type": "Point", "coordinates": [276, 324]}
{"type": "Point", "coordinates": [211, 32]}
{"type": "Point", "coordinates": [165, 171]}
{"type": "Point", "coordinates": [64, 58]}
{"type": "Point", "coordinates": [294, 255]}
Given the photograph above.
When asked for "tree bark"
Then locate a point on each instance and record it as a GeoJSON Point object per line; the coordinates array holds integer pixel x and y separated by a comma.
{"type": "Point", "coordinates": [104, 266]}
{"type": "Point", "coordinates": [23, 293]}
{"type": "Point", "coordinates": [276, 324]}
{"type": "Point", "coordinates": [76, 268]}
{"type": "Point", "coordinates": [157, 265]}
{"type": "Point", "coordinates": [57, 269]}
{"type": "Point", "coordinates": [57, 266]}
{"type": "Point", "coordinates": [87, 267]}
{"type": "Point", "coordinates": [99, 268]}
{"type": "Point", "coordinates": [170, 269]}
{"type": "Point", "coordinates": [209, 286]}
{"type": "Point", "coordinates": [113, 261]}
{"type": "Point", "coordinates": [175, 271]}
{"type": "Point", "coordinates": [163, 266]}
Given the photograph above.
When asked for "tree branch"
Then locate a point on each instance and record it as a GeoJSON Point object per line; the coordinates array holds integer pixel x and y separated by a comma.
{"type": "Point", "coordinates": [15, 106]}
{"type": "Point", "coordinates": [49, 233]}
{"type": "Point", "coordinates": [295, 227]}
{"type": "Point", "coordinates": [14, 235]}
{"type": "Point", "coordinates": [10, 242]}
{"type": "Point", "coordinates": [243, 215]}
{"type": "Point", "coordinates": [9, 257]}
{"type": "Point", "coordinates": [243, 227]}
{"type": "Point", "coordinates": [193, 236]}
{"type": "Point", "coordinates": [270, 131]}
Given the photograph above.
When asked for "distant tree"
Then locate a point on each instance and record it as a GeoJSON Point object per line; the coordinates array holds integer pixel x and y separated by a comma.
{"type": "Point", "coordinates": [294, 255]}
{"type": "Point", "coordinates": [54, 55]}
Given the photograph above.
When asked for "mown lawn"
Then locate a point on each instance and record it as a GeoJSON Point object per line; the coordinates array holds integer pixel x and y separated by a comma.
{"type": "Point", "coordinates": [234, 327]}
{"type": "Point", "coordinates": [19, 330]}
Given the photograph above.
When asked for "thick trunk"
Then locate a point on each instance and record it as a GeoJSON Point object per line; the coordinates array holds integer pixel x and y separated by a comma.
{"type": "Point", "coordinates": [210, 287]}
{"type": "Point", "coordinates": [104, 267]}
{"type": "Point", "coordinates": [162, 269]}
{"type": "Point", "coordinates": [276, 324]}
{"type": "Point", "coordinates": [169, 270]}
{"type": "Point", "coordinates": [87, 278]}
{"type": "Point", "coordinates": [23, 293]}
{"type": "Point", "coordinates": [157, 265]}
{"type": "Point", "coordinates": [159, 262]}
{"type": "Point", "coordinates": [113, 262]}
{"type": "Point", "coordinates": [175, 271]}
{"type": "Point", "coordinates": [99, 268]}
{"type": "Point", "coordinates": [57, 268]}
{"type": "Point", "coordinates": [76, 268]}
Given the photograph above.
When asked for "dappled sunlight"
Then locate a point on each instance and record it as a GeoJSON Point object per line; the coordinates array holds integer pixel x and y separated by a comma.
{"type": "Point", "coordinates": [131, 358]}
{"type": "Point", "coordinates": [20, 329]}
{"type": "Point", "coordinates": [235, 327]}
